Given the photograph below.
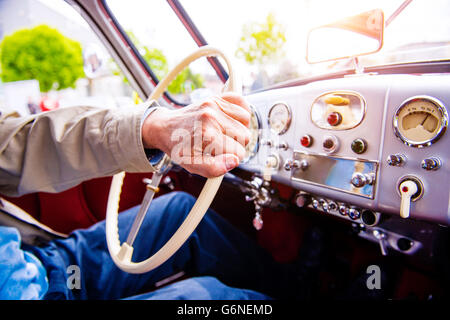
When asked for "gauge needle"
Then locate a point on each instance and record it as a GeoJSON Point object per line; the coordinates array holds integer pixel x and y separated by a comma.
{"type": "Point", "coordinates": [424, 120]}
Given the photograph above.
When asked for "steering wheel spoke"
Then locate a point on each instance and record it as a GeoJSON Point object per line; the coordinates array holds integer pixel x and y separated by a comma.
{"type": "Point", "coordinates": [152, 188]}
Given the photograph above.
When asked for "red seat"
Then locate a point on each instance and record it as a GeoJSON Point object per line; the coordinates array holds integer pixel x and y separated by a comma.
{"type": "Point", "coordinates": [81, 206]}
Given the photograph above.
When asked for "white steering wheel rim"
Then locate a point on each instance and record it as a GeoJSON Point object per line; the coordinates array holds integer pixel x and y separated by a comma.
{"type": "Point", "coordinates": [121, 254]}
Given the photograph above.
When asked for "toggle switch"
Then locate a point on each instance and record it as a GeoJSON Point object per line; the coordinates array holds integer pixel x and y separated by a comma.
{"type": "Point", "coordinates": [382, 240]}
{"type": "Point", "coordinates": [408, 189]}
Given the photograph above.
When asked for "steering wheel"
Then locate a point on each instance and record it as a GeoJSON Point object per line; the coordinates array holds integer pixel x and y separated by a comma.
{"type": "Point", "coordinates": [122, 254]}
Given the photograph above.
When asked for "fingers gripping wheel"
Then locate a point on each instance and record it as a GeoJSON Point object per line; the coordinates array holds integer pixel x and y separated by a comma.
{"type": "Point", "coordinates": [122, 254]}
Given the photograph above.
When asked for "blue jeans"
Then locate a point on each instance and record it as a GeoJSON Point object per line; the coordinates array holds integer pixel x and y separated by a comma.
{"type": "Point", "coordinates": [223, 263]}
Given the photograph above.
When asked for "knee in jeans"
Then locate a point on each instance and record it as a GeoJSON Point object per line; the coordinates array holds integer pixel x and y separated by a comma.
{"type": "Point", "coordinates": [182, 196]}
{"type": "Point", "coordinates": [179, 202]}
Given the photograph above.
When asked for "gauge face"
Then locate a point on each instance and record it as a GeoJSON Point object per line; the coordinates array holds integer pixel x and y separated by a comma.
{"type": "Point", "coordinates": [279, 118]}
{"type": "Point", "coordinates": [253, 145]}
{"type": "Point", "coordinates": [420, 121]}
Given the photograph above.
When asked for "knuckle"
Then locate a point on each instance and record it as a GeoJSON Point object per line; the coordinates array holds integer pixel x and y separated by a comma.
{"type": "Point", "coordinates": [207, 104]}
{"type": "Point", "coordinates": [247, 136]}
{"type": "Point", "coordinates": [207, 114]}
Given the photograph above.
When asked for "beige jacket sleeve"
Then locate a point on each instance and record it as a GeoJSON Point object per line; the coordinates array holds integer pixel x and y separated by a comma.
{"type": "Point", "coordinates": [56, 150]}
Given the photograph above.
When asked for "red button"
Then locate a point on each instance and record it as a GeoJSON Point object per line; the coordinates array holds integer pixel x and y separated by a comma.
{"type": "Point", "coordinates": [405, 189]}
{"type": "Point", "coordinates": [334, 118]}
{"type": "Point", "coordinates": [306, 141]}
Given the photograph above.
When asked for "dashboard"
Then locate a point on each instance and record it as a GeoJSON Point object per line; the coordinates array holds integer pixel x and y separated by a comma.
{"type": "Point", "coordinates": [358, 147]}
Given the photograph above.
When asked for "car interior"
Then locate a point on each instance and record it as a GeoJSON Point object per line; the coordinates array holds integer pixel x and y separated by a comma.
{"type": "Point", "coordinates": [358, 148]}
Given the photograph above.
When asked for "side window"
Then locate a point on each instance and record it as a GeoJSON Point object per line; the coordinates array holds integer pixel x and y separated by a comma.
{"type": "Point", "coordinates": [50, 58]}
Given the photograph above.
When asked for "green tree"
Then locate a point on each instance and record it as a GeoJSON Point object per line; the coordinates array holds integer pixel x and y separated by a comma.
{"type": "Point", "coordinates": [261, 43]}
{"type": "Point", "coordinates": [44, 54]}
{"type": "Point", "coordinates": [186, 79]}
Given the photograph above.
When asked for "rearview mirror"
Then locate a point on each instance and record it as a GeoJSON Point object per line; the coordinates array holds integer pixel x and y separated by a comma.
{"type": "Point", "coordinates": [353, 36]}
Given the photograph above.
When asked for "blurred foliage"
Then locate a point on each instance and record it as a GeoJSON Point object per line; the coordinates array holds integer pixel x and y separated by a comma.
{"type": "Point", "coordinates": [261, 43]}
{"type": "Point", "coordinates": [44, 54]}
{"type": "Point", "coordinates": [186, 80]}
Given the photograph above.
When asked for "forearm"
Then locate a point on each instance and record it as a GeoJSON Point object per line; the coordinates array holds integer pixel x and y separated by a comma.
{"type": "Point", "coordinates": [56, 150]}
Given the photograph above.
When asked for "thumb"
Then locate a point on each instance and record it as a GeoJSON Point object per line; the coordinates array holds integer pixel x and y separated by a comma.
{"type": "Point", "coordinates": [215, 166]}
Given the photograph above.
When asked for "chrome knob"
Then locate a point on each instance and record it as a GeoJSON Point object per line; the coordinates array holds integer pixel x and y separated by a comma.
{"type": "Point", "coordinates": [332, 206]}
{"type": "Point", "coordinates": [359, 179]}
{"type": "Point", "coordinates": [283, 146]}
{"type": "Point", "coordinates": [291, 164]}
{"type": "Point", "coordinates": [396, 160]}
{"type": "Point", "coordinates": [315, 204]}
{"type": "Point", "coordinates": [343, 209]}
{"type": "Point", "coordinates": [267, 142]}
{"type": "Point", "coordinates": [323, 203]}
{"type": "Point", "coordinates": [288, 164]}
{"type": "Point", "coordinates": [431, 164]}
{"type": "Point", "coordinates": [354, 213]}
{"type": "Point", "coordinates": [304, 164]}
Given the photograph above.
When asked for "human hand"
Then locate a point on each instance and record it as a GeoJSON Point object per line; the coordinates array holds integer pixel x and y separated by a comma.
{"type": "Point", "coordinates": [206, 138]}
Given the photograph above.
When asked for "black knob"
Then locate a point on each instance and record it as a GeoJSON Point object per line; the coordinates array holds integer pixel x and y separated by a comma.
{"type": "Point", "coordinates": [368, 217]}
{"type": "Point", "coordinates": [404, 244]}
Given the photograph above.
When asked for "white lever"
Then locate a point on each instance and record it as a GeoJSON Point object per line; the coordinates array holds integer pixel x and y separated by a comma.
{"type": "Point", "coordinates": [272, 164]}
{"type": "Point", "coordinates": [407, 189]}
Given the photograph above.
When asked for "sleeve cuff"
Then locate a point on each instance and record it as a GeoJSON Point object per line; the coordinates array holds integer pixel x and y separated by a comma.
{"type": "Point", "coordinates": [129, 149]}
{"type": "Point", "coordinates": [154, 156]}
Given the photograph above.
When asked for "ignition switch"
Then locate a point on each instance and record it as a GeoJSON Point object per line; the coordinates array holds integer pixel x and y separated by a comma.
{"type": "Point", "coordinates": [410, 189]}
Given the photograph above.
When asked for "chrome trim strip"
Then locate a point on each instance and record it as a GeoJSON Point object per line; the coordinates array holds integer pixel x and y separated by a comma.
{"type": "Point", "coordinates": [374, 186]}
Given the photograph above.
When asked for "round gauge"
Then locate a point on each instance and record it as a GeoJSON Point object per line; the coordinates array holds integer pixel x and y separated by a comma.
{"type": "Point", "coordinates": [253, 145]}
{"type": "Point", "coordinates": [420, 121]}
{"type": "Point", "coordinates": [279, 118]}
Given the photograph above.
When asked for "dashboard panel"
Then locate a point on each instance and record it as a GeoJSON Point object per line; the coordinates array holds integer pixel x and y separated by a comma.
{"type": "Point", "coordinates": [337, 141]}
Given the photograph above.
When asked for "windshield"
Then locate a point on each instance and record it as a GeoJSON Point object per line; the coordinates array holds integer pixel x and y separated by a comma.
{"type": "Point", "coordinates": [268, 38]}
